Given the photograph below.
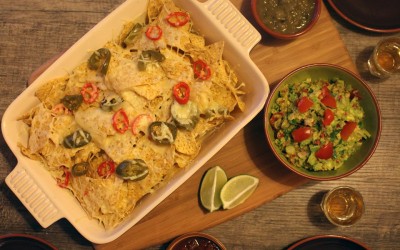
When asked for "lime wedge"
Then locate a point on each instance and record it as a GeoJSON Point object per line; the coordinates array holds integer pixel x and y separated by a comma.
{"type": "Point", "coordinates": [237, 190]}
{"type": "Point", "coordinates": [211, 185]}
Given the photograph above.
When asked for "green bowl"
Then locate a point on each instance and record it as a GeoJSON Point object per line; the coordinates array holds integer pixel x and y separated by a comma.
{"type": "Point", "coordinates": [372, 119]}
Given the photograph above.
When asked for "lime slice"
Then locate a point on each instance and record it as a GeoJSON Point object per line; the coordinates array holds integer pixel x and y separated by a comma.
{"type": "Point", "coordinates": [211, 185]}
{"type": "Point", "coordinates": [237, 190]}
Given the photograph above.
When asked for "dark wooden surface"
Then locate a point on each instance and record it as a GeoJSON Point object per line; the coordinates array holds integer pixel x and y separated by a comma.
{"type": "Point", "coordinates": [32, 32]}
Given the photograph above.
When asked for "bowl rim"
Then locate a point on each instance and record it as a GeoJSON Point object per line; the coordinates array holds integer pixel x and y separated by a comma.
{"type": "Point", "coordinates": [310, 239]}
{"type": "Point", "coordinates": [310, 25]}
{"type": "Point", "coordinates": [185, 236]}
{"type": "Point", "coordinates": [352, 74]}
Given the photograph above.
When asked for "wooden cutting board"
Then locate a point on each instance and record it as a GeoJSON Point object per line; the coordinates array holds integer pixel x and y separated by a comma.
{"type": "Point", "coordinates": [247, 152]}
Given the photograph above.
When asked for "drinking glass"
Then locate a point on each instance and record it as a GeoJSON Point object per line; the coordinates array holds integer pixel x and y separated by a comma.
{"type": "Point", "coordinates": [343, 206]}
{"type": "Point", "coordinates": [385, 59]}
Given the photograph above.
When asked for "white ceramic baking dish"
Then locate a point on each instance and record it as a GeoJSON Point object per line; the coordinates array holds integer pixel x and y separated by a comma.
{"type": "Point", "coordinates": [37, 190]}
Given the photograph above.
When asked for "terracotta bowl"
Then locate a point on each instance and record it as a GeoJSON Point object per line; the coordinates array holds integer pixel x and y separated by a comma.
{"type": "Point", "coordinates": [372, 119]}
{"type": "Point", "coordinates": [256, 10]}
{"type": "Point", "coordinates": [206, 241]}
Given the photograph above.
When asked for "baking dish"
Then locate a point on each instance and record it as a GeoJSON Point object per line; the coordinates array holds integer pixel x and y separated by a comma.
{"type": "Point", "coordinates": [37, 190]}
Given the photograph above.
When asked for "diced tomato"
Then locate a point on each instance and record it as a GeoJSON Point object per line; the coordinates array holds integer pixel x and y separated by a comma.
{"type": "Point", "coordinates": [301, 134]}
{"type": "Point", "coordinates": [355, 93]}
{"type": "Point", "coordinates": [328, 117]}
{"type": "Point", "coordinates": [276, 120]}
{"type": "Point", "coordinates": [329, 101]}
{"type": "Point", "coordinates": [325, 152]}
{"type": "Point", "coordinates": [324, 92]}
{"type": "Point", "coordinates": [304, 104]}
{"type": "Point", "coordinates": [326, 97]}
{"type": "Point", "coordinates": [347, 130]}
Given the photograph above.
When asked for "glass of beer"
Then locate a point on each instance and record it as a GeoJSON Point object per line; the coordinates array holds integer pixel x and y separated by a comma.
{"type": "Point", "coordinates": [343, 206]}
{"type": "Point", "coordinates": [385, 60]}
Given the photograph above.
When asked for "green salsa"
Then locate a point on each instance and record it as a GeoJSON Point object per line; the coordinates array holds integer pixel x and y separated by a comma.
{"type": "Point", "coordinates": [318, 125]}
{"type": "Point", "coordinates": [286, 16]}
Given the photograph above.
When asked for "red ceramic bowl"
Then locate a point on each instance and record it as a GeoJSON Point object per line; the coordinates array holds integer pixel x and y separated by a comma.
{"type": "Point", "coordinates": [328, 242]}
{"type": "Point", "coordinates": [372, 119]}
{"type": "Point", "coordinates": [255, 7]}
{"type": "Point", "coordinates": [204, 241]}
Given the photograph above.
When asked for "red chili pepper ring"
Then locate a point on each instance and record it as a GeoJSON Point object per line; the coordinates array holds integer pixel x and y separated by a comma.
{"type": "Point", "coordinates": [106, 169]}
{"type": "Point", "coordinates": [181, 92]}
{"type": "Point", "coordinates": [178, 18]}
{"type": "Point", "coordinates": [120, 121]}
{"type": "Point", "coordinates": [154, 32]}
{"type": "Point", "coordinates": [201, 70]}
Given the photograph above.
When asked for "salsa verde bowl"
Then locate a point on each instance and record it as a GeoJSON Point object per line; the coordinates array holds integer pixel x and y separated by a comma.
{"type": "Point", "coordinates": [371, 120]}
{"type": "Point", "coordinates": [288, 19]}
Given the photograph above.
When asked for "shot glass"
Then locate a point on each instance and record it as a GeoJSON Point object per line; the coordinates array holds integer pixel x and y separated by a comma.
{"type": "Point", "coordinates": [385, 59]}
{"type": "Point", "coordinates": [343, 206]}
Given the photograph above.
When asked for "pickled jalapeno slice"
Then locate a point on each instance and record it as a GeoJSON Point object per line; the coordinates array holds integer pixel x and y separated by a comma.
{"type": "Point", "coordinates": [111, 102]}
{"type": "Point", "coordinates": [80, 169]}
{"type": "Point", "coordinates": [77, 139]}
{"type": "Point", "coordinates": [163, 132]}
{"type": "Point", "coordinates": [149, 56]}
{"type": "Point", "coordinates": [72, 102]}
{"type": "Point", "coordinates": [133, 170]}
{"type": "Point", "coordinates": [100, 60]}
{"type": "Point", "coordinates": [132, 34]}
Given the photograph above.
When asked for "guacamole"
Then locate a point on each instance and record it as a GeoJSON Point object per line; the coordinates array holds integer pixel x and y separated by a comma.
{"type": "Point", "coordinates": [318, 125]}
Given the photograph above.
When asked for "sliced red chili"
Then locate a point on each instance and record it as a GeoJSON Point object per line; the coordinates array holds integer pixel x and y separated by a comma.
{"type": "Point", "coordinates": [328, 117]}
{"type": "Point", "coordinates": [106, 169]}
{"type": "Point", "coordinates": [181, 92]}
{"type": "Point", "coordinates": [325, 152]}
{"type": "Point", "coordinates": [89, 92]}
{"type": "Point", "coordinates": [120, 121]}
{"type": "Point", "coordinates": [64, 183]}
{"type": "Point", "coordinates": [301, 134]}
{"type": "Point", "coordinates": [347, 130]}
{"type": "Point", "coordinates": [201, 70]}
{"type": "Point", "coordinates": [178, 18]}
{"type": "Point", "coordinates": [154, 33]}
{"type": "Point", "coordinates": [60, 109]}
{"type": "Point", "coordinates": [141, 123]}
{"type": "Point", "coordinates": [304, 104]}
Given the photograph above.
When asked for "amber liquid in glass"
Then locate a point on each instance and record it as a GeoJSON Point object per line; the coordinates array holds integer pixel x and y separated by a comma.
{"type": "Point", "coordinates": [343, 206]}
{"type": "Point", "coordinates": [385, 59]}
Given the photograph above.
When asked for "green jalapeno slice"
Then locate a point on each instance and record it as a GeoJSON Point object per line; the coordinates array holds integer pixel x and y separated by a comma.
{"type": "Point", "coordinates": [163, 132]}
{"type": "Point", "coordinates": [133, 170]}
{"type": "Point", "coordinates": [100, 60]}
{"type": "Point", "coordinates": [80, 169]}
{"type": "Point", "coordinates": [72, 102]}
{"type": "Point", "coordinates": [77, 139]}
{"type": "Point", "coordinates": [132, 34]}
{"type": "Point", "coordinates": [149, 56]}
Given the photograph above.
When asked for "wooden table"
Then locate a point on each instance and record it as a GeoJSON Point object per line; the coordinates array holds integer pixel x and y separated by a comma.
{"type": "Point", "coordinates": [34, 31]}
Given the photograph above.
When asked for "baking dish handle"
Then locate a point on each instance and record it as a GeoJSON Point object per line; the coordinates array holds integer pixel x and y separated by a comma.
{"type": "Point", "coordinates": [234, 23]}
{"type": "Point", "coordinates": [32, 196]}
